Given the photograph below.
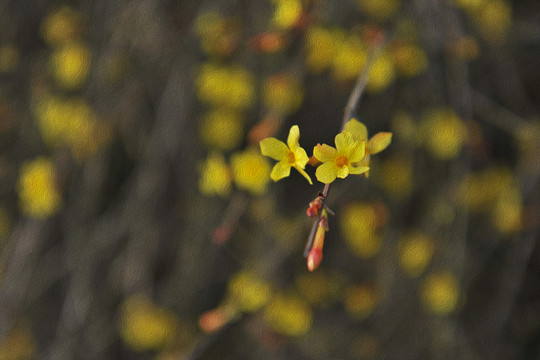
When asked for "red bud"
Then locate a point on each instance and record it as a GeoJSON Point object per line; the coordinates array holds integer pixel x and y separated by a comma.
{"type": "Point", "coordinates": [314, 258]}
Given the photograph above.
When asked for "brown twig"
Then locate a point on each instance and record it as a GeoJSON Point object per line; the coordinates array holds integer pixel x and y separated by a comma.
{"type": "Point", "coordinates": [352, 104]}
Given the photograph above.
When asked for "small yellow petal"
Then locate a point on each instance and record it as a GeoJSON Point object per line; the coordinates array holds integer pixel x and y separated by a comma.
{"type": "Point", "coordinates": [294, 137]}
{"type": "Point", "coordinates": [379, 142]}
{"type": "Point", "coordinates": [304, 174]}
{"type": "Point", "coordinates": [358, 170]}
{"type": "Point", "coordinates": [342, 172]}
{"type": "Point", "coordinates": [358, 152]}
{"type": "Point", "coordinates": [301, 158]}
{"type": "Point", "coordinates": [344, 141]}
{"type": "Point", "coordinates": [324, 152]}
{"type": "Point", "coordinates": [280, 170]}
{"type": "Point", "coordinates": [274, 148]}
{"type": "Point", "coordinates": [357, 130]}
{"type": "Point", "coordinates": [327, 172]}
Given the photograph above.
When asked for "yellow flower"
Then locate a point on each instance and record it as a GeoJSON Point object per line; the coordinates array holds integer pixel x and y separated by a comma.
{"type": "Point", "coordinates": [215, 176]}
{"type": "Point", "coordinates": [222, 128]}
{"type": "Point", "coordinates": [376, 144]}
{"type": "Point", "coordinates": [38, 193]}
{"type": "Point", "coordinates": [250, 171]}
{"type": "Point", "coordinates": [338, 162]}
{"type": "Point", "coordinates": [287, 13]}
{"type": "Point", "coordinates": [290, 155]}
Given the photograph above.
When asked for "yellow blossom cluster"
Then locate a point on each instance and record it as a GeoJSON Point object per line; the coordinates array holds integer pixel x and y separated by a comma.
{"type": "Point", "coordinates": [492, 18]}
{"type": "Point", "coordinates": [39, 195]}
{"type": "Point", "coordinates": [443, 133]}
{"type": "Point", "coordinates": [346, 55]}
{"type": "Point", "coordinates": [248, 169]}
{"type": "Point", "coordinates": [70, 58]}
{"type": "Point", "coordinates": [350, 156]}
{"type": "Point", "coordinates": [71, 123]}
{"type": "Point", "coordinates": [145, 325]}
{"type": "Point", "coordinates": [247, 292]}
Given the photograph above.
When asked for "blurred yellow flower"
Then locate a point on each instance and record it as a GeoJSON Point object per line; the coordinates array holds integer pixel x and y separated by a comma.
{"type": "Point", "coordinates": [493, 18]}
{"type": "Point", "coordinates": [248, 292]}
{"type": "Point", "coordinates": [283, 93]}
{"type": "Point", "coordinates": [38, 192]}
{"type": "Point", "coordinates": [321, 47]}
{"type": "Point", "coordinates": [361, 300]}
{"type": "Point", "coordinates": [339, 161]}
{"type": "Point", "coordinates": [409, 59]}
{"type": "Point", "coordinates": [415, 252]}
{"type": "Point", "coordinates": [71, 123]}
{"type": "Point", "coordinates": [381, 74]}
{"type": "Point", "coordinates": [287, 13]}
{"type": "Point", "coordinates": [289, 155]}
{"type": "Point", "coordinates": [350, 58]}
{"type": "Point", "coordinates": [60, 26]}
{"type": "Point", "coordinates": [70, 65]}
{"type": "Point", "coordinates": [215, 176]}
{"type": "Point", "coordinates": [222, 128]}
{"type": "Point", "coordinates": [251, 171]}
{"type": "Point", "coordinates": [358, 224]}
{"type": "Point", "coordinates": [376, 144]}
{"type": "Point", "coordinates": [440, 293]}
{"type": "Point", "coordinates": [443, 133]}
{"type": "Point", "coordinates": [288, 315]}
{"type": "Point", "coordinates": [231, 86]}
{"type": "Point", "coordinates": [379, 9]}
{"type": "Point", "coordinates": [144, 325]}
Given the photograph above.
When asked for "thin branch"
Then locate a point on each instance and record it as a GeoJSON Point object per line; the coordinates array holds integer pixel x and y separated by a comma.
{"type": "Point", "coordinates": [352, 104]}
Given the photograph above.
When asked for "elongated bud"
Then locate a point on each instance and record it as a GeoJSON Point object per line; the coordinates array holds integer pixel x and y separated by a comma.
{"type": "Point", "coordinates": [314, 258]}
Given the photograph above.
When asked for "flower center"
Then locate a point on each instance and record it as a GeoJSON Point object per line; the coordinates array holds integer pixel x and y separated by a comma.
{"type": "Point", "coordinates": [291, 158]}
{"type": "Point", "coordinates": [341, 161]}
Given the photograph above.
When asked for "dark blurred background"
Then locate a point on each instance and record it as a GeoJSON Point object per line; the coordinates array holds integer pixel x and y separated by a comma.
{"type": "Point", "coordinates": [138, 219]}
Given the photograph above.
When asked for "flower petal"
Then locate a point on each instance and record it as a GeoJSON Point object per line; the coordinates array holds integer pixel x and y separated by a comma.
{"type": "Point", "coordinates": [273, 148]}
{"type": "Point", "coordinates": [301, 158]}
{"type": "Point", "coordinates": [294, 136]}
{"type": "Point", "coordinates": [281, 169]}
{"type": "Point", "coordinates": [304, 174]}
{"type": "Point", "coordinates": [342, 172]}
{"type": "Point", "coordinates": [326, 173]}
{"type": "Point", "coordinates": [357, 130]}
{"type": "Point", "coordinates": [358, 170]}
{"type": "Point", "coordinates": [324, 152]}
{"type": "Point", "coordinates": [344, 141]}
{"type": "Point", "coordinates": [358, 152]}
{"type": "Point", "coordinates": [379, 142]}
